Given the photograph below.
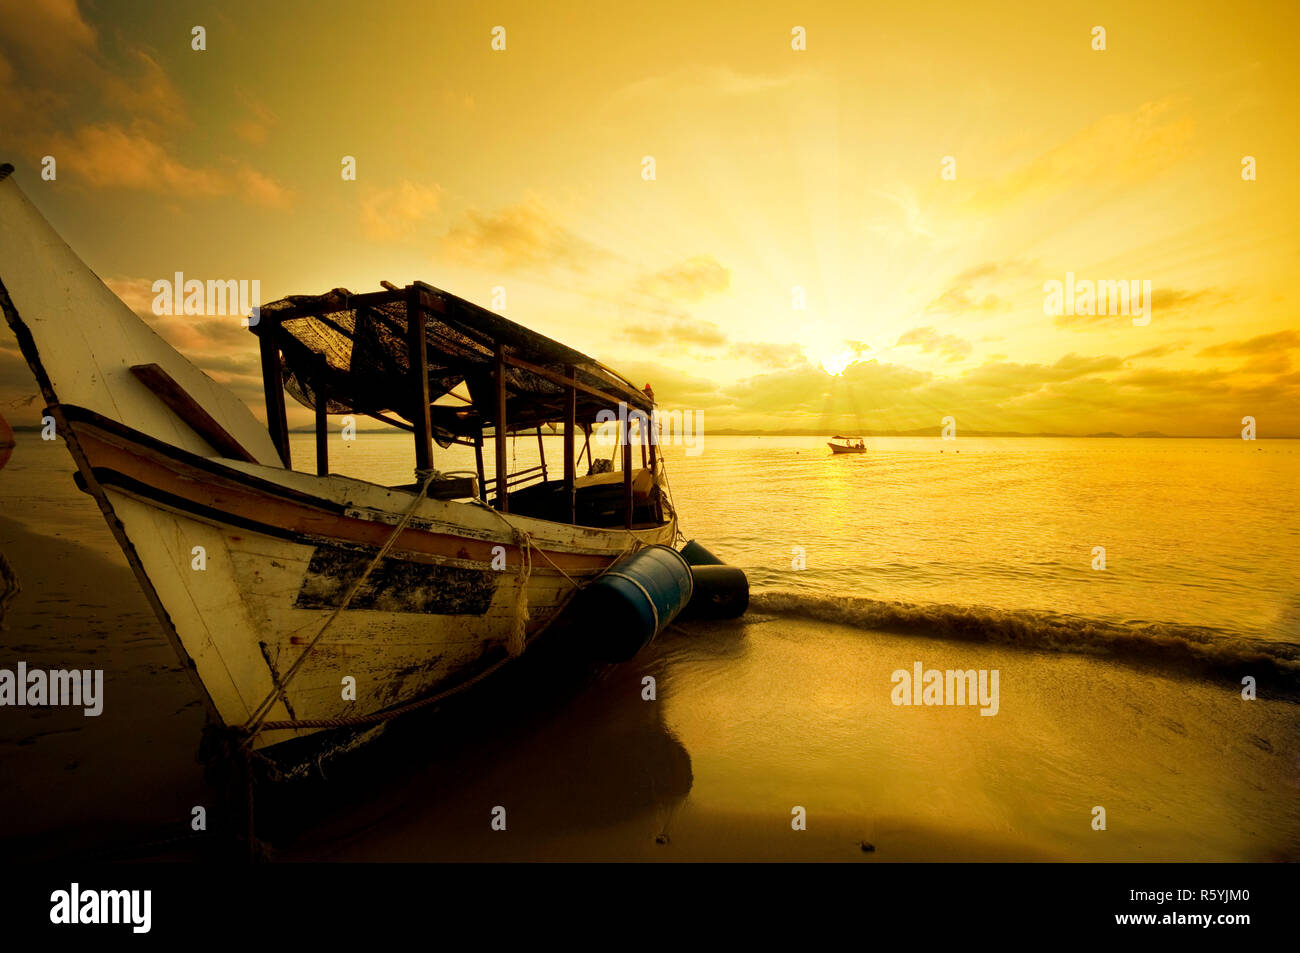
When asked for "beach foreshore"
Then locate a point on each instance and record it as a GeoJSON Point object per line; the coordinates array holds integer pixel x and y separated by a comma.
{"type": "Point", "coordinates": [770, 738]}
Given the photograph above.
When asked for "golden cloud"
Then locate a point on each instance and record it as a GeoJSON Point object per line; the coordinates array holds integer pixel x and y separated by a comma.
{"type": "Point", "coordinates": [388, 214]}
{"type": "Point", "coordinates": [523, 236]}
{"type": "Point", "coordinates": [689, 280]}
{"type": "Point", "coordinates": [108, 155]}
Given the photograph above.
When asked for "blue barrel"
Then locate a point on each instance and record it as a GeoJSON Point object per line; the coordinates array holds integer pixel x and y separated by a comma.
{"type": "Point", "coordinates": [721, 592]}
{"type": "Point", "coordinates": [621, 612]}
{"type": "Point", "coordinates": [697, 555]}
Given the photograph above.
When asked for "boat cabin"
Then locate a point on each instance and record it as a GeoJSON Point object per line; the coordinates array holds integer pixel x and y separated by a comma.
{"type": "Point", "coordinates": [453, 373]}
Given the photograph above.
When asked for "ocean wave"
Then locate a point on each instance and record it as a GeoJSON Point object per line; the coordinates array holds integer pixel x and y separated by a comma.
{"type": "Point", "coordinates": [1204, 650]}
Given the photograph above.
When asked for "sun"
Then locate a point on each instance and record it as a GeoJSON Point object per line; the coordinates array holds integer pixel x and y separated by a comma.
{"type": "Point", "coordinates": [833, 358]}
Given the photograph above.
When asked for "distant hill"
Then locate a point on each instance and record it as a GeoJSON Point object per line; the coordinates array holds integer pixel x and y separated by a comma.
{"type": "Point", "coordinates": [934, 432]}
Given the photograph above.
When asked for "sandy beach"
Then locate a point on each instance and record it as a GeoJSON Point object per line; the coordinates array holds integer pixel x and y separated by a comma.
{"type": "Point", "coordinates": [72, 783]}
{"type": "Point", "coordinates": [751, 720]}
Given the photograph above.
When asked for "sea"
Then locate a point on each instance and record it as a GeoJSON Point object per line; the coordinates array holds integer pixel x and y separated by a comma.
{"type": "Point", "coordinates": [1195, 533]}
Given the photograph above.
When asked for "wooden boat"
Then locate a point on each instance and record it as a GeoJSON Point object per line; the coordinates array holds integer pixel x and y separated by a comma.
{"type": "Point", "coordinates": [275, 586]}
{"type": "Point", "coordinates": [847, 445]}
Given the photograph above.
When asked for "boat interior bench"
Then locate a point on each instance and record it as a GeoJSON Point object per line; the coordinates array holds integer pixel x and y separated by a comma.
{"type": "Point", "coordinates": [599, 499]}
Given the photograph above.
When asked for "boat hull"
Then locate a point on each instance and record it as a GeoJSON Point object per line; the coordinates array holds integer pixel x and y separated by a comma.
{"type": "Point", "coordinates": [251, 563]}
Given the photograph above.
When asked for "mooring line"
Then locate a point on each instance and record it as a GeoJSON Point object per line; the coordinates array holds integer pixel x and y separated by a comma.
{"type": "Point", "coordinates": [253, 726]}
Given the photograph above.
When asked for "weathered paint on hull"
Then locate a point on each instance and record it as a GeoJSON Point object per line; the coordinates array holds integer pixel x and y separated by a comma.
{"type": "Point", "coordinates": [241, 622]}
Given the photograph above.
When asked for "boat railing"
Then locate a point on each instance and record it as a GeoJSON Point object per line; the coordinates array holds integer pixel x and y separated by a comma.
{"type": "Point", "coordinates": [515, 479]}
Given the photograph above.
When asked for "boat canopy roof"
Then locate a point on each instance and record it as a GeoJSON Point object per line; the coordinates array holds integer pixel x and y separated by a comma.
{"type": "Point", "coordinates": [353, 352]}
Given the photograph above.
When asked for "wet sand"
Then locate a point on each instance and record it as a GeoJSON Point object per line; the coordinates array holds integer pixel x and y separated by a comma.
{"type": "Point", "coordinates": [72, 783]}
{"type": "Point", "coordinates": [751, 719]}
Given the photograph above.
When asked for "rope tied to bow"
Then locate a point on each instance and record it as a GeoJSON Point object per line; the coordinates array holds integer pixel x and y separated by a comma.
{"type": "Point", "coordinates": [254, 724]}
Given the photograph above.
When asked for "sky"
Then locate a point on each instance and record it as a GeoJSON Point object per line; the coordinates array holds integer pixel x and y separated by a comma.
{"type": "Point", "coordinates": [853, 235]}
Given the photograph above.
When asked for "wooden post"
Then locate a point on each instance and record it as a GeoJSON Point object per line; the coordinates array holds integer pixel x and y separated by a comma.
{"type": "Point", "coordinates": [322, 421]}
{"type": "Point", "coordinates": [419, 359]}
{"type": "Point", "coordinates": [570, 438]}
{"type": "Point", "coordinates": [273, 382]}
{"type": "Point", "coordinates": [541, 451]}
{"type": "Point", "coordinates": [654, 471]}
{"type": "Point", "coordinates": [627, 467]}
{"type": "Point", "coordinates": [503, 494]}
{"type": "Point", "coordinates": [478, 461]}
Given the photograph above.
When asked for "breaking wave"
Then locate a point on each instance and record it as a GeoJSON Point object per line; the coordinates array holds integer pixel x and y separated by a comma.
{"type": "Point", "coordinates": [1203, 650]}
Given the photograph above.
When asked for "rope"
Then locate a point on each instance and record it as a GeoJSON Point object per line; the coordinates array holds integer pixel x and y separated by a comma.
{"type": "Point", "coordinates": [632, 546]}
{"type": "Point", "coordinates": [519, 631]}
{"type": "Point", "coordinates": [515, 645]}
{"type": "Point", "coordinates": [252, 726]}
{"type": "Point", "coordinates": [678, 535]}
{"type": "Point", "coordinates": [391, 713]}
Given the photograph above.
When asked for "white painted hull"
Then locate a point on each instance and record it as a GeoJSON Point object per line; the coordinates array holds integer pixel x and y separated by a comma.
{"type": "Point", "coordinates": [279, 545]}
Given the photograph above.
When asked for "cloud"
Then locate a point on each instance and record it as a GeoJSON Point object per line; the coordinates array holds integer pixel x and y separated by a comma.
{"type": "Point", "coordinates": [524, 236]}
{"type": "Point", "coordinates": [1265, 364]}
{"type": "Point", "coordinates": [690, 280]}
{"type": "Point", "coordinates": [136, 293]}
{"type": "Point", "coordinates": [393, 213]}
{"type": "Point", "coordinates": [1262, 344]}
{"type": "Point", "coordinates": [968, 290]}
{"type": "Point", "coordinates": [802, 394]}
{"type": "Point", "coordinates": [255, 128]}
{"type": "Point", "coordinates": [1162, 350]}
{"type": "Point", "coordinates": [1174, 299]}
{"type": "Point", "coordinates": [677, 331]}
{"type": "Point", "coordinates": [767, 354]}
{"type": "Point", "coordinates": [204, 339]}
{"type": "Point", "coordinates": [108, 155]}
{"type": "Point", "coordinates": [1075, 394]}
{"type": "Point", "coordinates": [662, 323]}
{"type": "Point", "coordinates": [1014, 379]}
{"type": "Point", "coordinates": [147, 91]}
{"type": "Point", "coordinates": [110, 117]}
{"type": "Point", "coordinates": [931, 341]}
{"type": "Point", "coordinates": [960, 300]}
{"type": "Point", "coordinates": [674, 388]}
{"type": "Point", "coordinates": [55, 74]}
{"type": "Point", "coordinates": [1163, 302]}
{"type": "Point", "coordinates": [1132, 146]}
{"type": "Point", "coordinates": [259, 189]}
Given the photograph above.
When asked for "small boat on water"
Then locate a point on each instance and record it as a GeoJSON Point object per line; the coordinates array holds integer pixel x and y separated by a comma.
{"type": "Point", "coordinates": [303, 602]}
{"type": "Point", "coordinates": [847, 444]}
